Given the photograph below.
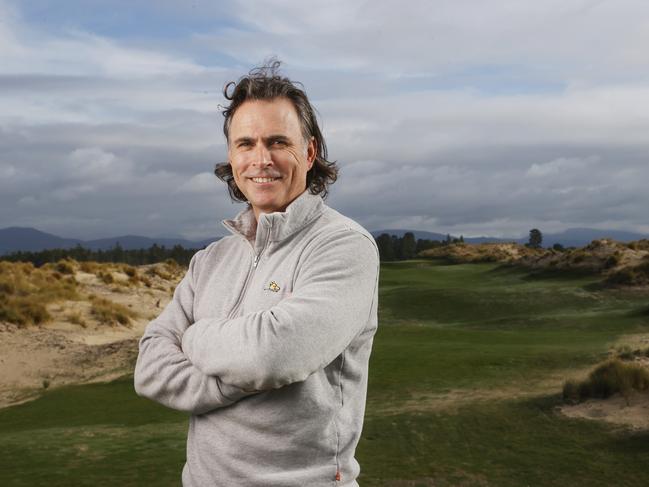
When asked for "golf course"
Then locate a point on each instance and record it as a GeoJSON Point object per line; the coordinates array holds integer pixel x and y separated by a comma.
{"type": "Point", "coordinates": [465, 387]}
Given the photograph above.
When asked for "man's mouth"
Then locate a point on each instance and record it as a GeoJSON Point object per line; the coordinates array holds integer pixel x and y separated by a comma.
{"type": "Point", "coordinates": [264, 180]}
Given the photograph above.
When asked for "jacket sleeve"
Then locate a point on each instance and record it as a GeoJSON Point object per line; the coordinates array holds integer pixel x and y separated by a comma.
{"type": "Point", "coordinates": [332, 301]}
{"type": "Point", "coordinates": [163, 373]}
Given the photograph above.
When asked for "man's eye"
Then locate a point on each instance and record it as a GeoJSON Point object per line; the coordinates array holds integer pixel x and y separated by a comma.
{"type": "Point", "coordinates": [279, 142]}
{"type": "Point", "coordinates": [244, 144]}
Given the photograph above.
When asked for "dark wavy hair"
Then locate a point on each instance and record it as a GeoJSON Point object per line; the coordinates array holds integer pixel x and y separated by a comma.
{"type": "Point", "coordinates": [265, 83]}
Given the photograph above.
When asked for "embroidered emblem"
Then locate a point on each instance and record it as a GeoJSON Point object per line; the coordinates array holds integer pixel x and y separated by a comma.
{"type": "Point", "coordinates": [273, 286]}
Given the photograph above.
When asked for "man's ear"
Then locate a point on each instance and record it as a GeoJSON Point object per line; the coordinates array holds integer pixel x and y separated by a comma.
{"type": "Point", "coordinates": [311, 152]}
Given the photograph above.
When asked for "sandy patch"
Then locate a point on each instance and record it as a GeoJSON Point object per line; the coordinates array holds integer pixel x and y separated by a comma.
{"type": "Point", "coordinates": [74, 347]}
{"type": "Point", "coordinates": [632, 412]}
{"type": "Point", "coordinates": [32, 359]}
{"type": "Point", "coordinates": [450, 401]}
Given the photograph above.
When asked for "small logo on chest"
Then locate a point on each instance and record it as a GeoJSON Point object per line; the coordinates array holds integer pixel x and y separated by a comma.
{"type": "Point", "coordinates": [273, 286]}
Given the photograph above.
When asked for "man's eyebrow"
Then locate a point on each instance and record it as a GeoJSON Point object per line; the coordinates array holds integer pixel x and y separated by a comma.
{"type": "Point", "coordinates": [277, 138]}
{"type": "Point", "coordinates": [242, 139]}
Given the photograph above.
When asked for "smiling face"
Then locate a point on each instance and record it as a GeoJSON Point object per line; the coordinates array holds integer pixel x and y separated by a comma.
{"type": "Point", "coordinates": [268, 154]}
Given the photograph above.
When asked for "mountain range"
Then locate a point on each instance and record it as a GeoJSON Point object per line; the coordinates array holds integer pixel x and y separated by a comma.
{"type": "Point", "coordinates": [13, 239]}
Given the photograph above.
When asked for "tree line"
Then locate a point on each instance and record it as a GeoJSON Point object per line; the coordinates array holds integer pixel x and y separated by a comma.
{"type": "Point", "coordinates": [392, 247]}
{"type": "Point", "coordinates": [155, 253]}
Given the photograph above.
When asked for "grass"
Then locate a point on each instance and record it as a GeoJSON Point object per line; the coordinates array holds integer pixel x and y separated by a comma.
{"type": "Point", "coordinates": [90, 266]}
{"type": "Point", "coordinates": [99, 434]}
{"type": "Point", "coordinates": [106, 277]}
{"type": "Point", "coordinates": [76, 318]}
{"type": "Point", "coordinates": [109, 312]}
{"type": "Point", "coordinates": [444, 330]}
{"type": "Point", "coordinates": [503, 444]}
{"type": "Point", "coordinates": [25, 291]}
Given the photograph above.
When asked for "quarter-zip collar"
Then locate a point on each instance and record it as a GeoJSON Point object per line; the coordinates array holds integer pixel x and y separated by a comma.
{"type": "Point", "coordinates": [278, 225]}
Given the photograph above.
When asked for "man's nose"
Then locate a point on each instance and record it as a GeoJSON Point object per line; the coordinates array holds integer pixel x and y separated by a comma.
{"type": "Point", "coordinates": [262, 157]}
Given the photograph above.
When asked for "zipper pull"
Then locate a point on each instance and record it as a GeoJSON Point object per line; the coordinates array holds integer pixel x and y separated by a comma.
{"type": "Point", "coordinates": [256, 261]}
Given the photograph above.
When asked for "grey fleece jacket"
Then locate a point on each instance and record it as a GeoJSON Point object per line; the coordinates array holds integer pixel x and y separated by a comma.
{"type": "Point", "coordinates": [266, 342]}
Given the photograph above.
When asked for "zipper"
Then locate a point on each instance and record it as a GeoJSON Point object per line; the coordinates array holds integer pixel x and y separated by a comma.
{"type": "Point", "coordinates": [255, 261]}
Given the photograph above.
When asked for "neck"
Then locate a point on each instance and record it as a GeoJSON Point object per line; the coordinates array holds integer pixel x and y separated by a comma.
{"type": "Point", "coordinates": [258, 211]}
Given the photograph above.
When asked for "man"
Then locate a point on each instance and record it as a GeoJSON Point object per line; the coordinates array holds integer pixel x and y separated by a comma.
{"type": "Point", "coordinates": [267, 338]}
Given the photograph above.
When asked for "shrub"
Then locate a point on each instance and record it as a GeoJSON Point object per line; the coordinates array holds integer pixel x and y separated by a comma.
{"type": "Point", "coordinates": [23, 311]}
{"type": "Point", "coordinates": [130, 271]}
{"type": "Point", "coordinates": [574, 391]}
{"type": "Point", "coordinates": [609, 378]}
{"type": "Point", "coordinates": [625, 353]}
{"type": "Point", "coordinates": [157, 270]}
{"type": "Point", "coordinates": [106, 277]}
{"type": "Point", "coordinates": [108, 312]}
{"type": "Point", "coordinates": [64, 267]}
{"type": "Point", "coordinates": [643, 269]}
{"type": "Point", "coordinates": [624, 276]}
{"type": "Point", "coordinates": [7, 287]}
{"type": "Point", "coordinates": [134, 279]}
{"type": "Point", "coordinates": [578, 257]}
{"type": "Point", "coordinates": [76, 318]}
{"type": "Point", "coordinates": [91, 267]}
{"type": "Point", "coordinates": [612, 261]}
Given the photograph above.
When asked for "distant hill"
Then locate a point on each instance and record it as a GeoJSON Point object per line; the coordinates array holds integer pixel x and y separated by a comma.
{"type": "Point", "coordinates": [13, 239]}
{"type": "Point", "coordinates": [30, 239]}
{"type": "Point", "coordinates": [573, 237]}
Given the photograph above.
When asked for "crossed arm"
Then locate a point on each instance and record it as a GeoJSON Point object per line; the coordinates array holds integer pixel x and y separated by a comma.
{"type": "Point", "coordinates": [163, 373]}
{"type": "Point", "coordinates": [215, 362]}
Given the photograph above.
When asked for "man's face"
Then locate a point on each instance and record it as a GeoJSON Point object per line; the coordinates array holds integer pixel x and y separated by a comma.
{"type": "Point", "coordinates": [268, 154]}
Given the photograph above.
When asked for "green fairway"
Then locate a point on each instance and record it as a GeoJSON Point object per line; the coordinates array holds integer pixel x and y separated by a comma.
{"type": "Point", "coordinates": [465, 376]}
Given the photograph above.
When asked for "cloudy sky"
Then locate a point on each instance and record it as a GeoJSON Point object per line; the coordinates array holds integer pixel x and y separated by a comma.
{"type": "Point", "coordinates": [468, 117]}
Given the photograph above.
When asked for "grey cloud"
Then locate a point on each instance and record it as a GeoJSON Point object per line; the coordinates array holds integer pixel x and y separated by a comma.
{"type": "Point", "coordinates": [554, 39]}
{"type": "Point", "coordinates": [465, 196]}
{"type": "Point", "coordinates": [427, 133]}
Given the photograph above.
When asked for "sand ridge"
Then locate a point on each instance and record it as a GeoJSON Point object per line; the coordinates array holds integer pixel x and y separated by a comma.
{"type": "Point", "coordinates": [75, 346]}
